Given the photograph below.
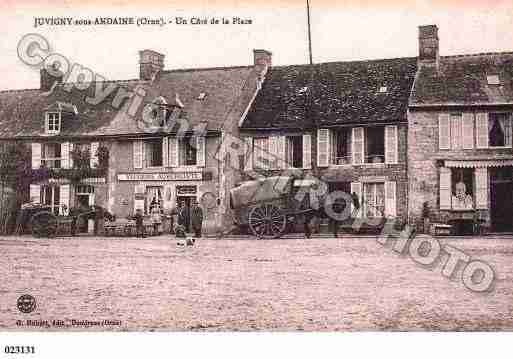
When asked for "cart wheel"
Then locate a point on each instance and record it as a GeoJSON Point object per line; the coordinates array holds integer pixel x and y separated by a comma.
{"type": "Point", "coordinates": [44, 224]}
{"type": "Point", "coordinates": [267, 221]}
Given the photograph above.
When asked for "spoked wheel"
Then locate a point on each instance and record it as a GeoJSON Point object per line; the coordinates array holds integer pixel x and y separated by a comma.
{"type": "Point", "coordinates": [44, 224]}
{"type": "Point", "coordinates": [267, 221]}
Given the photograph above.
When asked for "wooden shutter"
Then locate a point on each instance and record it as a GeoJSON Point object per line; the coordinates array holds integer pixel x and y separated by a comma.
{"type": "Point", "coordinates": [482, 130]}
{"type": "Point", "coordinates": [248, 151]}
{"type": "Point", "coordinates": [94, 161]}
{"type": "Point", "coordinates": [358, 145]}
{"type": "Point", "coordinates": [307, 151]}
{"type": "Point", "coordinates": [444, 132]}
{"type": "Point", "coordinates": [91, 199]}
{"type": "Point", "coordinates": [356, 187]}
{"type": "Point", "coordinates": [445, 188]}
{"type": "Point", "coordinates": [391, 144]}
{"type": "Point", "coordinates": [70, 159]}
{"type": "Point", "coordinates": [36, 155]}
{"type": "Point", "coordinates": [281, 152]}
{"type": "Point", "coordinates": [390, 199]}
{"type": "Point", "coordinates": [64, 199]}
{"type": "Point", "coordinates": [481, 188]}
{"type": "Point", "coordinates": [456, 132]}
{"type": "Point", "coordinates": [507, 132]}
{"type": "Point", "coordinates": [323, 147]}
{"type": "Point", "coordinates": [35, 193]}
{"type": "Point", "coordinates": [468, 130]}
{"type": "Point", "coordinates": [165, 151]}
{"type": "Point", "coordinates": [172, 154]}
{"type": "Point", "coordinates": [65, 154]}
{"type": "Point", "coordinates": [200, 151]}
{"type": "Point", "coordinates": [272, 153]}
{"type": "Point", "coordinates": [138, 154]}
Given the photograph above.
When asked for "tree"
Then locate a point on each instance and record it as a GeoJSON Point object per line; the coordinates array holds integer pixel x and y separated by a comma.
{"type": "Point", "coordinates": [15, 177]}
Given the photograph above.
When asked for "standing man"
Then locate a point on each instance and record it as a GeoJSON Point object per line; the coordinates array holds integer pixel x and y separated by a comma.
{"type": "Point", "coordinates": [197, 219]}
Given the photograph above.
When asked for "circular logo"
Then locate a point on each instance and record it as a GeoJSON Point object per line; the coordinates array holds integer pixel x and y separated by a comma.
{"type": "Point", "coordinates": [26, 303]}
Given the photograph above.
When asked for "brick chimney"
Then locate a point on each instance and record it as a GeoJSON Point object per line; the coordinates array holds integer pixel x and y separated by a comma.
{"type": "Point", "coordinates": [429, 45]}
{"type": "Point", "coordinates": [150, 64]}
{"type": "Point", "coordinates": [49, 75]}
{"type": "Point", "coordinates": [262, 57]}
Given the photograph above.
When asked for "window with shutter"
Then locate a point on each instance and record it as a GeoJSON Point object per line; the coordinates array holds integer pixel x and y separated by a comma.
{"type": "Point", "coordinates": [468, 130]}
{"type": "Point", "coordinates": [444, 132]}
{"type": "Point", "coordinates": [391, 144]}
{"type": "Point", "coordinates": [270, 155]}
{"type": "Point", "coordinates": [482, 130]}
{"type": "Point", "coordinates": [138, 154]}
{"type": "Point", "coordinates": [481, 188]}
{"type": "Point", "coordinates": [356, 211]}
{"type": "Point", "coordinates": [323, 147]}
{"type": "Point", "coordinates": [358, 145]}
{"type": "Point", "coordinates": [456, 132]}
{"type": "Point", "coordinates": [390, 199]}
{"type": "Point", "coordinates": [36, 155]}
{"type": "Point", "coordinates": [307, 151]}
{"type": "Point", "coordinates": [445, 188]}
{"type": "Point", "coordinates": [261, 149]}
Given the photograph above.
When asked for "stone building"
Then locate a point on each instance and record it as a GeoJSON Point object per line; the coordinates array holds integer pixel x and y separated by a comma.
{"type": "Point", "coordinates": [459, 140]}
{"type": "Point", "coordinates": [344, 123]}
{"type": "Point", "coordinates": [150, 142]}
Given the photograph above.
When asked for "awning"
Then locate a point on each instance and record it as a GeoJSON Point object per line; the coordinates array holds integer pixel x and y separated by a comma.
{"type": "Point", "coordinates": [477, 163]}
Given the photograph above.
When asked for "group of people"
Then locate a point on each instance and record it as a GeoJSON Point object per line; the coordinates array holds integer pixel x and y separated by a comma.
{"type": "Point", "coordinates": [187, 218]}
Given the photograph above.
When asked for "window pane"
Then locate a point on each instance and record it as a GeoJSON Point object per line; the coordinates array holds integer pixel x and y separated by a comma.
{"type": "Point", "coordinates": [462, 188]}
{"type": "Point", "coordinates": [375, 144]}
{"type": "Point", "coordinates": [499, 129]}
{"type": "Point", "coordinates": [154, 152]}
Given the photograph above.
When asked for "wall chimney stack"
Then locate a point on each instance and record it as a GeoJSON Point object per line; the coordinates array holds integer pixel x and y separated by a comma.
{"type": "Point", "coordinates": [429, 45]}
{"type": "Point", "coordinates": [262, 57]}
{"type": "Point", "coordinates": [150, 64]}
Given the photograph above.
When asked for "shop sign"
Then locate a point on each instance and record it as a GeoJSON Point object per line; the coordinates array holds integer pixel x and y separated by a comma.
{"type": "Point", "coordinates": [161, 176]}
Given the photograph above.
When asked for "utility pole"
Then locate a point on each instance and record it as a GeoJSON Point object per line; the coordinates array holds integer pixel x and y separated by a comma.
{"type": "Point", "coordinates": [309, 31]}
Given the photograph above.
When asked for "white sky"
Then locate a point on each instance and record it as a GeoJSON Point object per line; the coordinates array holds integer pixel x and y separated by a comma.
{"type": "Point", "coordinates": [341, 31]}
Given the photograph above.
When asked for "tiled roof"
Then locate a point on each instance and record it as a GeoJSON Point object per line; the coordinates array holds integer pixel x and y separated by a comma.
{"type": "Point", "coordinates": [462, 80]}
{"type": "Point", "coordinates": [22, 111]}
{"type": "Point", "coordinates": [341, 93]}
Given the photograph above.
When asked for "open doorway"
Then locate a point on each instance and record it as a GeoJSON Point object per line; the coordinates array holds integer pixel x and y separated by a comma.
{"type": "Point", "coordinates": [501, 193]}
{"type": "Point", "coordinates": [186, 196]}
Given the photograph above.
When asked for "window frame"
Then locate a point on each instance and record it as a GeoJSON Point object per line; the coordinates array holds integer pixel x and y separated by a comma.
{"type": "Point", "coordinates": [364, 207]}
{"type": "Point", "coordinates": [182, 143]}
{"type": "Point", "coordinates": [509, 117]}
{"type": "Point", "coordinates": [365, 144]}
{"type": "Point", "coordinates": [287, 159]}
{"type": "Point", "coordinates": [56, 122]}
{"type": "Point", "coordinates": [146, 144]}
{"type": "Point", "coordinates": [349, 135]}
{"type": "Point", "coordinates": [44, 159]}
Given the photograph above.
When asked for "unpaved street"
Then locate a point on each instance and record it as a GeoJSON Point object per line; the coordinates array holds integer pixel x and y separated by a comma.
{"type": "Point", "coordinates": [290, 284]}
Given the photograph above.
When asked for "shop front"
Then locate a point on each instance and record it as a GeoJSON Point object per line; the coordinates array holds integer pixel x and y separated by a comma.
{"type": "Point", "coordinates": [477, 195]}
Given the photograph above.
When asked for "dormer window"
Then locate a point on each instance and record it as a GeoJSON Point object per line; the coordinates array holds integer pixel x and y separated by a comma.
{"type": "Point", "coordinates": [383, 89]}
{"type": "Point", "coordinates": [493, 80]}
{"type": "Point", "coordinates": [53, 122]}
{"type": "Point", "coordinates": [202, 96]}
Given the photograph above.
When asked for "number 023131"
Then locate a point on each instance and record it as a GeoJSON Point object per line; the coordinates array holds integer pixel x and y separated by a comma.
{"type": "Point", "coordinates": [19, 349]}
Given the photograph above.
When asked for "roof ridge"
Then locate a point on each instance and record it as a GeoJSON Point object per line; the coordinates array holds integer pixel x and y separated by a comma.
{"type": "Point", "coordinates": [207, 68]}
{"type": "Point", "coordinates": [479, 54]}
{"type": "Point", "coordinates": [20, 90]}
{"type": "Point", "coordinates": [351, 61]}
